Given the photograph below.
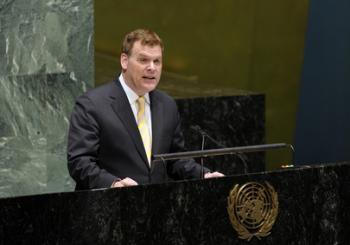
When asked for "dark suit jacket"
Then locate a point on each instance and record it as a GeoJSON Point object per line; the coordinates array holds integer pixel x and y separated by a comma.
{"type": "Point", "coordinates": [104, 143]}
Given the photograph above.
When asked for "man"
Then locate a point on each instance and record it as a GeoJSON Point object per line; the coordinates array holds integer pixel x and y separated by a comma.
{"type": "Point", "coordinates": [117, 127]}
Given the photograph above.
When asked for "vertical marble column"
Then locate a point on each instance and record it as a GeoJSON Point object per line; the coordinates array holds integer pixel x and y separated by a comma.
{"type": "Point", "coordinates": [39, 36]}
{"type": "Point", "coordinates": [46, 57]}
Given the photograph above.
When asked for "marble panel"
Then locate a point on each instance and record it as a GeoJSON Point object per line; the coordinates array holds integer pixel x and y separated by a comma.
{"type": "Point", "coordinates": [227, 121]}
{"type": "Point", "coordinates": [46, 57]}
{"type": "Point", "coordinates": [313, 209]}
{"type": "Point", "coordinates": [33, 132]}
{"type": "Point", "coordinates": [39, 36]}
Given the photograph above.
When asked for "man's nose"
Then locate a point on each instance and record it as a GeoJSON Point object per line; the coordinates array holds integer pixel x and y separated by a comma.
{"type": "Point", "coordinates": [151, 66]}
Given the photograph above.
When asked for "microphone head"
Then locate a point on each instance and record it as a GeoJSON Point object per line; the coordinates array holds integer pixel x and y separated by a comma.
{"type": "Point", "coordinates": [195, 127]}
{"type": "Point", "coordinates": [198, 129]}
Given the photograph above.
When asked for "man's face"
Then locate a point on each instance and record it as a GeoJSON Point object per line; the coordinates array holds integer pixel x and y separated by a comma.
{"type": "Point", "coordinates": [142, 69]}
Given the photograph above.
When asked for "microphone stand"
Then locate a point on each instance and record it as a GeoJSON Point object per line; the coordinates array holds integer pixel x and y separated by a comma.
{"type": "Point", "coordinates": [239, 155]}
{"type": "Point", "coordinates": [202, 160]}
{"type": "Point", "coordinates": [219, 152]}
{"type": "Point", "coordinates": [204, 134]}
{"type": "Point", "coordinates": [165, 175]}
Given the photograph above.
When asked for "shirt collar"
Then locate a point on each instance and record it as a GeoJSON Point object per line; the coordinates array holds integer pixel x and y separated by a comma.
{"type": "Point", "coordinates": [132, 96]}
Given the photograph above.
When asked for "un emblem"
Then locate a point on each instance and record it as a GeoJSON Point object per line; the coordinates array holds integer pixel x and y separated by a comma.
{"type": "Point", "coordinates": [252, 209]}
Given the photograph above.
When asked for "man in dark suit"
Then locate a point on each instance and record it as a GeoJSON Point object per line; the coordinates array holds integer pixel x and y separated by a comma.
{"type": "Point", "coordinates": [115, 128]}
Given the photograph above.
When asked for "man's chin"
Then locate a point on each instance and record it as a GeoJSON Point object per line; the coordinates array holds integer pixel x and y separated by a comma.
{"type": "Point", "coordinates": [150, 87]}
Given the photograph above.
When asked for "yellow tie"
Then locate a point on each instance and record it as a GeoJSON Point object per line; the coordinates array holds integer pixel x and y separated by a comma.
{"type": "Point", "coordinates": [143, 127]}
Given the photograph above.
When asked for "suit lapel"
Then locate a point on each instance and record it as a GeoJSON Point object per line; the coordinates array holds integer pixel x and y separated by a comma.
{"type": "Point", "coordinates": [123, 109]}
{"type": "Point", "coordinates": [157, 121]}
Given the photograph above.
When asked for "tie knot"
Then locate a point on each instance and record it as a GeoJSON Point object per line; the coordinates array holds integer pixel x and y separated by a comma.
{"type": "Point", "coordinates": [141, 100]}
{"type": "Point", "coordinates": [141, 103]}
{"type": "Point", "coordinates": [141, 108]}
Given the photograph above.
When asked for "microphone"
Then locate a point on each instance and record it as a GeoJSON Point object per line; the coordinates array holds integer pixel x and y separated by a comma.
{"type": "Point", "coordinates": [198, 129]}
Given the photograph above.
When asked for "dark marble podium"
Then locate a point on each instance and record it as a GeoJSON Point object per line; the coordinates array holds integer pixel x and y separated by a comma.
{"type": "Point", "coordinates": [313, 209]}
{"type": "Point", "coordinates": [235, 120]}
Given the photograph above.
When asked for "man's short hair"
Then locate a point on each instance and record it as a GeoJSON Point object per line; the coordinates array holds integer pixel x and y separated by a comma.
{"type": "Point", "coordinates": [147, 37]}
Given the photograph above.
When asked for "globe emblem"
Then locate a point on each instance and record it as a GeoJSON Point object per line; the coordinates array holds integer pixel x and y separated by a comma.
{"type": "Point", "coordinates": [252, 209]}
{"type": "Point", "coordinates": [253, 205]}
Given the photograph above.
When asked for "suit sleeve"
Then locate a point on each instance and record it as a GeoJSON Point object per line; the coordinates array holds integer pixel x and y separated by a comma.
{"type": "Point", "coordinates": [83, 147]}
{"type": "Point", "coordinates": [182, 169]}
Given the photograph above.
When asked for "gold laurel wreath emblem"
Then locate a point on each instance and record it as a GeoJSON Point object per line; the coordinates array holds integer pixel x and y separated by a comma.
{"type": "Point", "coordinates": [252, 209]}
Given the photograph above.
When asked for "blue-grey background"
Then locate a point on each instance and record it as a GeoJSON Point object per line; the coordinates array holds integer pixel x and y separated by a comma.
{"type": "Point", "coordinates": [323, 121]}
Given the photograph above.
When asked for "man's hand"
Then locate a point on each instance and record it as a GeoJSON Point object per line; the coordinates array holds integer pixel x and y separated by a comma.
{"type": "Point", "coordinates": [213, 175]}
{"type": "Point", "coordinates": [124, 182]}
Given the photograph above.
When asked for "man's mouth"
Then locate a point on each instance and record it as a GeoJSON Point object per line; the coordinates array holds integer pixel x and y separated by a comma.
{"type": "Point", "coordinates": [149, 77]}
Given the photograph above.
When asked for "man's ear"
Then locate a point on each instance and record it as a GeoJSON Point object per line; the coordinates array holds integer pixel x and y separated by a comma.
{"type": "Point", "coordinates": [124, 59]}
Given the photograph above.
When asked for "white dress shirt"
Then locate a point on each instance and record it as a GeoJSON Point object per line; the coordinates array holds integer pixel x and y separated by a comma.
{"type": "Point", "coordinates": [132, 97]}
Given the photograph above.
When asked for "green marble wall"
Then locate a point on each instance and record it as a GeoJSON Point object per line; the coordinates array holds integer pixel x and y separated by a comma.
{"type": "Point", "coordinates": [46, 57]}
{"type": "Point", "coordinates": [226, 45]}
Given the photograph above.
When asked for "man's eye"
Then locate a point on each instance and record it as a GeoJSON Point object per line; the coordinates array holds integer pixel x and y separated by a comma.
{"type": "Point", "coordinates": [143, 60]}
{"type": "Point", "coordinates": [158, 62]}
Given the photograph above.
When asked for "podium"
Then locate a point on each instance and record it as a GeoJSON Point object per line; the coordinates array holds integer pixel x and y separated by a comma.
{"type": "Point", "coordinates": [313, 208]}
